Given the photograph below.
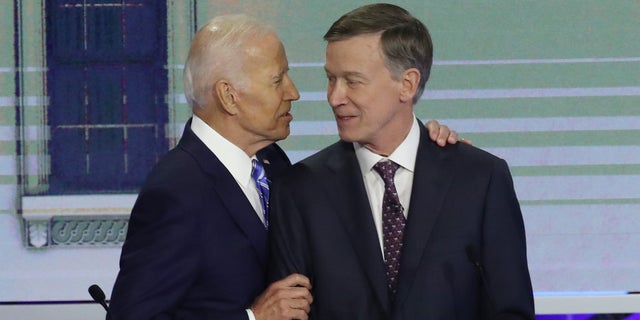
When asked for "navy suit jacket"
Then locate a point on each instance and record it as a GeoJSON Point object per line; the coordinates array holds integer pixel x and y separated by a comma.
{"type": "Point", "coordinates": [195, 248]}
{"type": "Point", "coordinates": [462, 200]}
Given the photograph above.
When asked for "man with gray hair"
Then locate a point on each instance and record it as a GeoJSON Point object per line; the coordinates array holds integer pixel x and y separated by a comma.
{"type": "Point", "coordinates": [196, 246]}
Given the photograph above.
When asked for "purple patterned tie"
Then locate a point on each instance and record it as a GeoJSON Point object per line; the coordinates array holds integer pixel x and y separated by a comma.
{"type": "Point", "coordinates": [393, 222]}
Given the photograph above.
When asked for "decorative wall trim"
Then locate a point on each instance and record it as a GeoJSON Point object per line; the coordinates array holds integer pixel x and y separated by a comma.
{"type": "Point", "coordinates": [76, 221]}
{"type": "Point", "coordinates": [76, 231]}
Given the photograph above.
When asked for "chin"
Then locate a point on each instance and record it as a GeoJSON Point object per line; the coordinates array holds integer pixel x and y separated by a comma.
{"type": "Point", "coordinates": [346, 137]}
{"type": "Point", "coordinates": [281, 134]}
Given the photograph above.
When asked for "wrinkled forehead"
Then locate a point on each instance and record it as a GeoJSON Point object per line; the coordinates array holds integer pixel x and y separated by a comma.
{"type": "Point", "coordinates": [265, 56]}
{"type": "Point", "coordinates": [354, 50]}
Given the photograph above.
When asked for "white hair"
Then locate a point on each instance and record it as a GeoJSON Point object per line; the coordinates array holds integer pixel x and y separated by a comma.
{"type": "Point", "coordinates": [216, 53]}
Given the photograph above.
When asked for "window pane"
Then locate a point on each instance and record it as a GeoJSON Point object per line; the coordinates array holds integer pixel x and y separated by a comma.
{"type": "Point", "coordinates": [107, 84]}
{"type": "Point", "coordinates": [70, 165]}
{"type": "Point", "coordinates": [67, 93]}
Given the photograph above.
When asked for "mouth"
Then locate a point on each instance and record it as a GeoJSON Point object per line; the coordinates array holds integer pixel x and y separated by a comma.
{"type": "Point", "coordinates": [287, 115]}
{"type": "Point", "coordinates": [343, 118]}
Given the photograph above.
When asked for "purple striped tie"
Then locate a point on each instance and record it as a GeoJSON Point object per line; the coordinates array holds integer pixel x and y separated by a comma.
{"type": "Point", "coordinates": [262, 184]}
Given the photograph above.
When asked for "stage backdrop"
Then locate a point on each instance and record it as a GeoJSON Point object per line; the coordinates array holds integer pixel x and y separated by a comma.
{"type": "Point", "coordinates": [91, 96]}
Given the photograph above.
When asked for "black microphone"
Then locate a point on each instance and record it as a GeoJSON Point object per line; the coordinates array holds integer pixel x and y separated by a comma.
{"type": "Point", "coordinates": [475, 260]}
{"type": "Point", "coordinates": [98, 296]}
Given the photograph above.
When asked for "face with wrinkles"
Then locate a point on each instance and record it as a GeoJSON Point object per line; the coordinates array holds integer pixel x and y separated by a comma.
{"type": "Point", "coordinates": [369, 105]}
{"type": "Point", "coordinates": [265, 95]}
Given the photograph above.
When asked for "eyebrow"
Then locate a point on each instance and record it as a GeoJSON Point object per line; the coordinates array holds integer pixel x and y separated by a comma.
{"type": "Point", "coordinates": [351, 75]}
{"type": "Point", "coordinates": [348, 73]}
{"type": "Point", "coordinates": [281, 74]}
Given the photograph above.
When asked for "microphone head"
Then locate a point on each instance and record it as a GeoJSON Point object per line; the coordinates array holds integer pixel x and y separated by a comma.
{"type": "Point", "coordinates": [96, 293]}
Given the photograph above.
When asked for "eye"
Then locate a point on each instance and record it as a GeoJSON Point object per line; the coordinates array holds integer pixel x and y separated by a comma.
{"type": "Point", "coordinates": [353, 82]}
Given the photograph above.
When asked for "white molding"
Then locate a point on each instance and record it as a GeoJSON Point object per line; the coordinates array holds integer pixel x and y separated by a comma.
{"type": "Point", "coordinates": [628, 303]}
{"type": "Point", "coordinates": [45, 207]}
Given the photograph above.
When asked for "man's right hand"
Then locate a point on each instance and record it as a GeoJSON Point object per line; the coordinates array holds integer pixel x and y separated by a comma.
{"type": "Point", "coordinates": [289, 298]}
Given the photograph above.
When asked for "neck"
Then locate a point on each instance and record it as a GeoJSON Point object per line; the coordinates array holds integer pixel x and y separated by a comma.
{"type": "Point", "coordinates": [386, 145]}
{"type": "Point", "coordinates": [230, 130]}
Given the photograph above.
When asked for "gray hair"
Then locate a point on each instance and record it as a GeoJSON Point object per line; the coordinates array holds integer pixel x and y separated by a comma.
{"type": "Point", "coordinates": [405, 41]}
{"type": "Point", "coordinates": [216, 53]}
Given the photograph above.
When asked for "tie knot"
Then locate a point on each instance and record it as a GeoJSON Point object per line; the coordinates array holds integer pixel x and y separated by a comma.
{"type": "Point", "coordinates": [257, 170]}
{"type": "Point", "coordinates": [387, 170]}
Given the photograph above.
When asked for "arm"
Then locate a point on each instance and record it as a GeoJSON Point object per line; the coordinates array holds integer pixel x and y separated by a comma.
{"type": "Point", "coordinates": [286, 250]}
{"type": "Point", "coordinates": [158, 259]}
{"type": "Point", "coordinates": [287, 247]}
{"type": "Point", "coordinates": [504, 253]}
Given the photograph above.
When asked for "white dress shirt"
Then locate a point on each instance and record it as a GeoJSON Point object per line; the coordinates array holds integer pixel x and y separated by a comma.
{"type": "Point", "coordinates": [404, 155]}
{"type": "Point", "coordinates": [233, 158]}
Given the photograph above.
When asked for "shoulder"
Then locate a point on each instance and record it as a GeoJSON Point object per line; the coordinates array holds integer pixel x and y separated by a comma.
{"type": "Point", "coordinates": [320, 163]}
{"type": "Point", "coordinates": [458, 155]}
{"type": "Point", "coordinates": [460, 159]}
{"type": "Point", "coordinates": [276, 158]}
{"type": "Point", "coordinates": [472, 154]}
{"type": "Point", "coordinates": [328, 155]}
{"type": "Point", "coordinates": [177, 166]}
{"type": "Point", "coordinates": [182, 181]}
{"type": "Point", "coordinates": [274, 153]}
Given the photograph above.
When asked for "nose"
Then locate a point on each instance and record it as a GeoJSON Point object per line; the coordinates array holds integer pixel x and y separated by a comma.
{"type": "Point", "coordinates": [291, 92]}
{"type": "Point", "coordinates": [336, 93]}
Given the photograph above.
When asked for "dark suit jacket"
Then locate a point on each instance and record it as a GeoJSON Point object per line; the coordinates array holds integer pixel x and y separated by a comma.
{"type": "Point", "coordinates": [322, 226]}
{"type": "Point", "coordinates": [195, 248]}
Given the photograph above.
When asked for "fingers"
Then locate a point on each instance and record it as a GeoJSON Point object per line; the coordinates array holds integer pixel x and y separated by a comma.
{"type": "Point", "coordinates": [467, 141]}
{"type": "Point", "coordinates": [442, 135]}
{"type": "Point", "coordinates": [282, 310]}
{"type": "Point", "coordinates": [295, 280]}
{"type": "Point", "coordinates": [278, 291]}
{"type": "Point", "coordinates": [299, 304]}
{"type": "Point", "coordinates": [288, 298]}
{"type": "Point", "coordinates": [452, 138]}
{"type": "Point", "coordinates": [288, 309]}
{"type": "Point", "coordinates": [294, 286]}
{"type": "Point", "coordinates": [434, 129]}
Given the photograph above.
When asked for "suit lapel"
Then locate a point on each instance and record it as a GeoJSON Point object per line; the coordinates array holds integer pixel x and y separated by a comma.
{"type": "Point", "coordinates": [244, 214]}
{"type": "Point", "coordinates": [233, 198]}
{"type": "Point", "coordinates": [347, 194]}
{"type": "Point", "coordinates": [431, 182]}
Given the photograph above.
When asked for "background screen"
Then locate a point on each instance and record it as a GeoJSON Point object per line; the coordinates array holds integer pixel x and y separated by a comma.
{"type": "Point", "coordinates": [553, 87]}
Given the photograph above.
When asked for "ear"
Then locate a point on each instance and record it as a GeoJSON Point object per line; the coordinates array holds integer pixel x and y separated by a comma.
{"type": "Point", "coordinates": [410, 80]}
{"type": "Point", "coordinates": [227, 96]}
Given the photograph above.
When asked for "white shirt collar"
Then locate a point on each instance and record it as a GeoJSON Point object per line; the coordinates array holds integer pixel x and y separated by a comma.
{"type": "Point", "coordinates": [232, 157]}
{"type": "Point", "coordinates": [404, 155]}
